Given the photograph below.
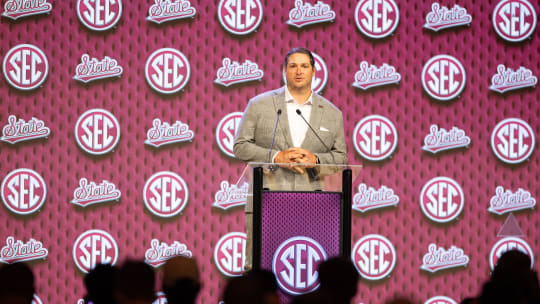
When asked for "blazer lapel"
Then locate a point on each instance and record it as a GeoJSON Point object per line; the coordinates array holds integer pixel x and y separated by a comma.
{"type": "Point", "coordinates": [279, 103]}
{"type": "Point", "coordinates": [317, 111]}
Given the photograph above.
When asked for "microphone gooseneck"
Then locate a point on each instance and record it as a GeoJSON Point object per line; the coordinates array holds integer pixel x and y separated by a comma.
{"type": "Point", "coordinates": [317, 135]}
{"type": "Point", "coordinates": [273, 136]}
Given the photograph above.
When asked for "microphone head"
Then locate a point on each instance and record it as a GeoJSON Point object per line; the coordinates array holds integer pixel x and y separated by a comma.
{"type": "Point", "coordinates": [279, 112]}
{"type": "Point", "coordinates": [298, 112]}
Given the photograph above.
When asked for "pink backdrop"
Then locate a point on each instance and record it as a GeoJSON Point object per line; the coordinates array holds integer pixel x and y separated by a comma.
{"type": "Point", "coordinates": [202, 104]}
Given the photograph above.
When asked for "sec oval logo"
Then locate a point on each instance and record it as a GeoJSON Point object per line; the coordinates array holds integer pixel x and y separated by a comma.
{"type": "Point", "coordinates": [240, 17]}
{"type": "Point", "coordinates": [514, 20]}
{"type": "Point", "coordinates": [23, 191]}
{"type": "Point", "coordinates": [230, 254]}
{"type": "Point", "coordinates": [376, 18]}
{"type": "Point", "coordinates": [440, 300]}
{"type": "Point", "coordinates": [295, 264]}
{"type": "Point", "coordinates": [36, 300]}
{"type": "Point", "coordinates": [512, 140]}
{"type": "Point", "coordinates": [94, 247]}
{"type": "Point", "coordinates": [165, 194]}
{"type": "Point", "coordinates": [99, 15]}
{"type": "Point", "coordinates": [374, 257]}
{"type": "Point", "coordinates": [442, 199]}
{"type": "Point", "coordinates": [161, 298]}
{"type": "Point", "coordinates": [226, 131]}
{"type": "Point", "coordinates": [97, 131]}
{"type": "Point", "coordinates": [167, 71]}
{"type": "Point", "coordinates": [443, 77]}
{"type": "Point", "coordinates": [25, 67]}
{"type": "Point", "coordinates": [375, 137]}
{"type": "Point", "coordinates": [507, 244]}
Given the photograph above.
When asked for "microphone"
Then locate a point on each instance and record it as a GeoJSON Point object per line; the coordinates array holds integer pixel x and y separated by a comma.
{"type": "Point", "coordinates": [322, 142]}
{"type": "Point", "coordinates": [273, 136]}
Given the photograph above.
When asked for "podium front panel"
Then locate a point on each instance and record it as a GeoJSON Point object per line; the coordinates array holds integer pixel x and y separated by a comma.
{"type": "Point", "coordinates": [290, 219]}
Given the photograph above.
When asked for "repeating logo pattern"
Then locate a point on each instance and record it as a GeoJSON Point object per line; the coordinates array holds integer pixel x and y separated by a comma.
{"type": "Point", "coordinates": [94, 247]}
{"type": "Point", "coordinates": [15, 9]}
{"type": "Point", "coordinates": [14, 252]}
{"type": "Point", "coordinates": [230, 196]}
{"type": "Point", "coordinates": [295, 264]}
{"type": "Point", "coordinates": [23, 191]}
{"type": "Point", "coordinates": [376, 18]}
{"type": "Point", "coordinates": [159, 253]}
{"type": "Point", "coordinates": [230, 254]}
{"type": "Point", "coordinates": [368, 198]}
{"type": "Point", "coordinates": [163, 134]}
{"type": "Point", "coordinates": [442, 17]}
{"type": "Point", "coordinates": [442, 199]}
{"type": "Point", "coordinates": [90, 193]}
{"type": "Point", "coordinates": [167, 10]}
{"type": "Point", "coordinates": [20, 130]}
{"type": "Point", "coordinates": [370, 76]}
{"type": "Point", "coordinates": [512, 140]}
{"type": "Point", "coordinates": [508, 79]}
{"type": "Point", "coordinates": [36, 300]}
{"type": "Point", "coordinates": [233, 72]}
{"type": "Point", "coordinates": [165, 194]}
{"type": "Point", "coordinates": [375, 137]}
{"type": "Point", "coordinates": [99, 15]}
{"type": "Point", "coordinates": [514, 20]}
{"type": "Point", "coordinates": [306, 14]}
{"type": "Point", "coordinates": [440, 139]}
{"type": "Point", "coordinates": [97, 131]}
{"type": "Point", "coordinates": [25, 67]}
{"type": "Point", "coordinates": [226, 131]}
{"type": "Point", "coordinates": [507, 244]}
{"type": "Point", "coordinates": [240, 17]}
{"type": "Point", "coordinates": [443, 77]}
{"type": "Point", "coordinates": [507, 201]}
{"type": "Point", "coordinates": [438, 258]}
{"type": "Point", "coordinates": [374, 256]}
{"type": "Point", "coordinates": [167, 71]}
{"type": "Point", "coordinates": [93, 69]}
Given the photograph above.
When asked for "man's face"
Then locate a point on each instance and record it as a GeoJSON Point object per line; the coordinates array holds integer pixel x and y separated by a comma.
{"type": "Point", "coordinates": [299, 71]}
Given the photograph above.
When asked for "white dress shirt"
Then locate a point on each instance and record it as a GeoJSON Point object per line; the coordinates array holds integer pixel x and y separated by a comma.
{"type": "Point", "coordinates": [297, 125]}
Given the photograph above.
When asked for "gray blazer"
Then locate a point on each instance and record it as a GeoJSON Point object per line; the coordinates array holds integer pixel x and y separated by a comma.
{"type": "Point", "coordinates": [254, 136]}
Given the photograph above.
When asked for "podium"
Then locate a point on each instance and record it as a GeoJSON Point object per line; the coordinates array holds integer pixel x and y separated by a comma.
{"type": "Point", "coordinates": [301, 217]}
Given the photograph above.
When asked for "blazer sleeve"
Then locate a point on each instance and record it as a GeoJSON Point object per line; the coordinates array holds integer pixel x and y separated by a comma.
{"type": "Point", "coordinates": [246, 146]}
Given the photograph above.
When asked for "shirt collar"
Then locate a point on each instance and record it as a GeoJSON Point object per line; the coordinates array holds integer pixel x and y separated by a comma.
{"type": "Point", "coordinates": [290, 99]}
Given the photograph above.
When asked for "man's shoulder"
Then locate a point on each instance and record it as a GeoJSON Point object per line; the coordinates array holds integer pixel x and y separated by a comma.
{"type": "Point", "coordinates": [268, 95]}
{"type": "Point", "coordinates": [324, 101]}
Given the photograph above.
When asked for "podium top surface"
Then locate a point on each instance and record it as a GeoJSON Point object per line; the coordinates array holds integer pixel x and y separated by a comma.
{"type": "Point", "coordinates": [298, 177]}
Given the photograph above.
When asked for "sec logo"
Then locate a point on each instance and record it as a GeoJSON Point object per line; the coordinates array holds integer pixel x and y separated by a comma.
{"type": "Point", "coordinates": [376, 18]}
{"type": "Point", "coordinates": [23, 191]}
{"type": "Point", "coordinates": [443, 77]}
{"type": "Point", "coordinates": [374, 257]}
{"type": "Point", "coordinates": [507, 244]}
{"type": "Point", "coordinates": [36, 300]}
{"type": "Point", "coordinates": [441, 199]}
{"type": "Point", "coordinates": [230, 254]}
{"type": "Point", "coordinates": [440, 300]}
{"type": "Point", "coordinates": [25, 67]}
{"type": "Point", "coordinates": [167, 70]}
{"type": "Point", "coordinates": [514, 20]}
{"type": "Point", "coordinates": [94, 247]}
{"type": "Point", "coordinates": [320, 78]}
{"type": "Point", "coordinates": [375, 137]}
{"type": "Point", "coordinates": [165, 194]}
{"type": "Point", "coordinates": [512, 140]}
{"type": "Point", "coordinates": [295, 265]}
{"type": "Point", "coordinates": [240, 17]}
{"type": "Point", "coordinates": [226, 131]}
{"type": "Point", "coordinates": [99, 15]}
{"type": "Point", "coordinates": [97, 131]}
{"type": "Point", "coordinates": [161, 298]}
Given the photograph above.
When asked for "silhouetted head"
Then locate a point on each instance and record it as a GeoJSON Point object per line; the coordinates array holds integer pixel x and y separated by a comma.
{"type": "Point", "coordinates": [16, 283]}
{"type": "Point", "coordinates": [257, 286]}
{"type": "Point", "coordinates": [181, 282]}
{"type": "Point", "coordinates": [134, 282]}
{"type": "Point", "coordinates": [99, 284]}
{"type": "Point", "coordinates": [339, 277]}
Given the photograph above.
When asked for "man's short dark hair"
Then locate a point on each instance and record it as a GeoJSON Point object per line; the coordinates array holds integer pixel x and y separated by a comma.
{"type": "Point", "coordinates": [300, 50]}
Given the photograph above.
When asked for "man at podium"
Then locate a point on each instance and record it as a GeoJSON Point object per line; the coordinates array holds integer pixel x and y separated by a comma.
{"type": "Point", "coordinates": [290, 125]}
